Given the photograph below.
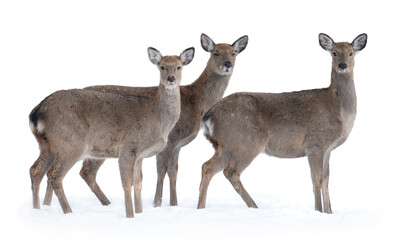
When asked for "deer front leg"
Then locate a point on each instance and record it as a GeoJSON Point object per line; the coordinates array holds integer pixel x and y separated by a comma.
{"type": "Point", "coordinates": [172, 173]}
{"type": "Point", "coordinates": [325, 185]}
{"type": "Point", "coordinates": [315, 158]}
{"type": "Point", "coordinates": [162, 161]}
{"type": "Point", "coordinates": [126, 167]}
{"type": "Point", "coordinates": [137, 186]}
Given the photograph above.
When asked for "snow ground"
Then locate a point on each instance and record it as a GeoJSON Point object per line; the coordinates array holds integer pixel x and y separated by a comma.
{"type": "Point", "coordinates": [281, 187]}
{"type": "Point", "coordinates": [50, 45]}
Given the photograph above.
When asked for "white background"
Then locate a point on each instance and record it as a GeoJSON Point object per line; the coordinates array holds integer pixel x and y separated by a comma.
{"type": "Point", "coordinates": [50, 45]}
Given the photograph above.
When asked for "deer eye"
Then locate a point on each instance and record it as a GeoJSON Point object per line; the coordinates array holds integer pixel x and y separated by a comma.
{"type": "Point", "coordinates": [178, 68]}
{"type": "Point", "coordinates": [334, 54]}
{"type": "Point", "coordinates": [161, 67]}
{"type": "Point", "coordinates": [233, 54]}
{"type": "Point", "coordinates": [216, 54]}
{"type": "Point", "coordinates": [351, 54]}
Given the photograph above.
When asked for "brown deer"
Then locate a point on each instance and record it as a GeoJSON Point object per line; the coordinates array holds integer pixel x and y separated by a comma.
{"type": "Point", "coordinates": [196, 99]}
{"type": "Point", "coordinates": [286, 125]}
{"type": "Point", "coordinates": [72, 125]}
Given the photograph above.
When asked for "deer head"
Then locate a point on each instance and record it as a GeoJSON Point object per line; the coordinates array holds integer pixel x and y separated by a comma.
{"type": "Point", "coordinates": [223, 55]}
{"type": "Point", "coordinates": [343, 52]}
{"type": "Point", "coordinates": [170, 66]}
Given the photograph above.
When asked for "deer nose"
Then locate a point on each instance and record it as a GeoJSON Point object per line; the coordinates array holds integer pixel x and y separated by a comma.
{"type": "Point", "coordinates": [171, 79]}
{"type": "Point", "coordinates": [228, 64]}
{"type": "Point", "coordinates": [342, 66]}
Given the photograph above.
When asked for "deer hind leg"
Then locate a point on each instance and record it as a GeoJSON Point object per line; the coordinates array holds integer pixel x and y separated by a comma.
{"type": "Point", "coordinates": [48, 194]}
{"type": "Point", "coordinates": [172, 171]}
{"type": "Point", "coordinates": [137, 186]}
{"type": "Point", "coordinates": [88, 172]}
{"type": "Point", "coordinates": [233, 172]}
{"type": "Point", "coordinates": [316, 168]}
{"type": "Point", "coordinates": [325, 185]}
{"type": "Point", "coordinates": [209, 169]}
{"type": "Point", "coordinates": [37, 172]}
{"type": "Point", "coordinates": [62, 164]}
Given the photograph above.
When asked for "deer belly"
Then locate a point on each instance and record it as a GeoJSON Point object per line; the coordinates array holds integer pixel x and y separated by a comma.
{"type": "Point", "coordinates": [153, 149]}
{"type": "Point", "coordinates": [102, 152]}
{"type": "Point", "coordinates": [286, 146]}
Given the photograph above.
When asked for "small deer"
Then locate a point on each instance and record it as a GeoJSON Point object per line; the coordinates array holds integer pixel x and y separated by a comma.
{"type": "Point", "coordinates": [196, 99]}
{"type": "Point", "coordinates": [72, 125]}
{"type": "Point", "coordinates": [286, 125]}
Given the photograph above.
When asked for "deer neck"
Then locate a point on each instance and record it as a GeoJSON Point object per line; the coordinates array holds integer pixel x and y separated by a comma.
{"type": "Point", "coordinates": [209, 88]}
{"type": "Point", "coordinates": [343, 90]}
{"type": "Point", "coordinates": [169, 108]}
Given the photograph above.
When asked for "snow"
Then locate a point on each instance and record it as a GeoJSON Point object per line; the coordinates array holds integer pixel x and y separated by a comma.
{"type": "Point", "coordinates": [281, 188]}
{"type": "Point", "coordinates": [48, 45]}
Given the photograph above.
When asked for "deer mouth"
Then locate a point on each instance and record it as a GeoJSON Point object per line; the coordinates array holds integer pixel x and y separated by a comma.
{"type": "Point", "coordinates": [226, 71]}
{"type": "Point", "coordinates": [171, 86]}
{"type": "Point", "coordinates": [340, 70]}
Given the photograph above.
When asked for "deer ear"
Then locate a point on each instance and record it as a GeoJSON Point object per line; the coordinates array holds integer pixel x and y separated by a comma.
{"type": "Point", "coordinates": [154, 55]}
{"type": "Point", "coordinates": [240, 44]}
{"type": "Point", "coordinates": [187, 56]}
{"type": "Point", "coordinates": [359, 42]}
{"type": "Point", "coordinates": [326, 42]}
{"type": "Point", "coordinates": [207, 43]}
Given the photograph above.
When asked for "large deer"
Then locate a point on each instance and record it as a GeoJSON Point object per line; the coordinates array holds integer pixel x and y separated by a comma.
{"type": "Point", "coordinates": [287, 125]}
{"type": "Point", "coordinates": [72, 125]}
{"type": "Point", "coordinates": [196, 99]}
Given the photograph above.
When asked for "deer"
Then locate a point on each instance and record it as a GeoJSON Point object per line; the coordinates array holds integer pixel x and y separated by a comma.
{"type": "Point", "coordinates": [196, 99]}
{"type": "Point", "coordinates": [77, 124]}
{"type": "Point", "coordinates": [309, 123]}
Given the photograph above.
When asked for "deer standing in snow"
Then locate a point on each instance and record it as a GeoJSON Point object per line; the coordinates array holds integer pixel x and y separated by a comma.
{"type": "Point", "coordinates": [196, 99]}
{"type": "Point", "coordinates": [72, 125]}
{"type": "Point", "coordinates": [287, 125]}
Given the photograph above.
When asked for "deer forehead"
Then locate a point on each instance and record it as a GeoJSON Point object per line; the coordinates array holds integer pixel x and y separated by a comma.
{"type": "Point", "coordinates": [343, 47]}
{"type": "Point", "coordinates": [170, 61]}
{"type": "Point", "coordinates": [223, 48]}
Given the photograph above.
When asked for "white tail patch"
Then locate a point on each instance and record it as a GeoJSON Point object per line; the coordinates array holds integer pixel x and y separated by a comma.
{"type": "Point", "coordinates": [39, 128]}
{"type": "Point", "coordinates": [32, 127]}
{"type": "Point", "coordinates": [209, 127]}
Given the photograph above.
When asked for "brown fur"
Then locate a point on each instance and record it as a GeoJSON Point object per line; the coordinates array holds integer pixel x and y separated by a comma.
{"type": "Point", "coordinates": [81, 123]}
{"type": "Point", "coordinates": [287, 125]}
{"type": "Point", "coordinates": [196, 99]}
{"type": "Point", "coordinates": [215, 144]}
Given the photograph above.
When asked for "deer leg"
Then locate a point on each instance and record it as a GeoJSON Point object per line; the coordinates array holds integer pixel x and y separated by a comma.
{"type": "Point", "coordinates": [172, 173]}
{"type": "Point", "coordinates": [325, 185]}
{"type": "Point", "coordinates": [162, 162]}
{"type": "Point", "coordinates": [56, 174]}
{"type": "Point", "coordinates": [209, 169]}
{"type": "Point", "coordinates": [48, 194]}
{"type": "Point", "coordinates": [233, 172]}
{"type": "Point", "coordinates": [316, 168]}
{"type": "Point", "coordinates": [88, 172]}
{"type": "Point", "coordinates": [37, 172]}
{"type": "Point", "coordinates": [126, 166]}
{"type": "Point", "coordinates": [137, 186]}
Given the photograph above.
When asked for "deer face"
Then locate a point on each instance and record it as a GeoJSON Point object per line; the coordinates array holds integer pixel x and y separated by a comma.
{"type": "Point", "coordinates": [170, 71]}
{"type": "Point", "coordinates": [170, 67]}
{"type": "Point", "coordinates": [343, 52]}
{"type": "Point", "coordinates": [223, 56]}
